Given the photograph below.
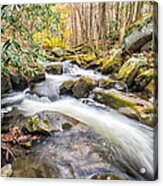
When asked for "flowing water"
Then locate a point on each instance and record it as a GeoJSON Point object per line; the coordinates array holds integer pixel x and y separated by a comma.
{"type": "Point", "coordinates": [133, 141]}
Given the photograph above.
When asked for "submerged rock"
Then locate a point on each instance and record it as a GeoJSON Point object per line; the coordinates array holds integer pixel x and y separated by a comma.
{"type": "Point", "coordinates": [82, 87]}
{"type": "Point", "coordinates": [130, 68]}
{"type": "Point", "coordinates": [127, 104]}
{"type": "Point", "coordinates": [75, 152]}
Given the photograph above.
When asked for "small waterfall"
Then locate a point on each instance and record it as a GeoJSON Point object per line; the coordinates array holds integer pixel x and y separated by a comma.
{"type": "Point", "coordinates": [134, 145]}
{"type": "Point", "coordinates": [72, 69]}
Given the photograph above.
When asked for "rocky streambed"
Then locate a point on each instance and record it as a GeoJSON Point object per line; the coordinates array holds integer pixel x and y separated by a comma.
{"type": "Point", "coordinates": [83, 115]}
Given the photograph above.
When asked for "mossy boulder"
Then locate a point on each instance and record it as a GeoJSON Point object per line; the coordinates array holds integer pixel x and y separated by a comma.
{"type": "Point", "coordinates": [139, 33]}
{"type": "Point", "coordinates": [143, 79]}
{"type": "Point", "coordinates": [66, 87]}
{"type": "Point", "coordinates": [130, 69]}
{"type": "Point", "coordinates": [136, 108]}
{"type": "Point", "coordinates": [57, 51]}
{"type": "Point", "coordinates": [54, 68]}
{"type": "Point", "coordinates": [82, 87]}
{"type": "Point", "coordinates": [111, 83]}
{"type": "Point", "coordinates": [114, 63]}
{"type": "Point", "coordinates": [81, 60]}
{"type": "Point", "coordinates": [95, 64]}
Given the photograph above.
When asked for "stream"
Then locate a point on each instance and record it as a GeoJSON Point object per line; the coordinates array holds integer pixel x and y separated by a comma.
{"type": "Point", "coordinates": [131, 141]}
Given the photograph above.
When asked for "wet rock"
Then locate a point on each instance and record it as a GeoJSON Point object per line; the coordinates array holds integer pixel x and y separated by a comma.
{"type": "Point", "coordinates": [66, 126]}
{"type": "Point", "coordinates": [6, 171]}
{"type": "Point", "coordinates": [130, 69]}
{"type": "Point", "coordinates": [128, 104]}
{"type": "Point", "coordinates": [128, 112]}
{"type": "Point", "coordinates": [57, 52]}
{"type": "Point", "coordinates": [82, 87]}
{"type": "Point", "coordinates": [66, 87]}
{"type": "Point", "coordinates": [113, 64]}
{"type": "Point", "coordinates": [74, 153]}
{"type": "Point", "coordinates": [38, 77]}
{"type": "Point", "coordinates": [18, 81]}
{"type": "Point", "coordinates": [139, 34]}
{"type": "Point", "coordinates": [54, 68]}
{"type": "Point", "coordinates": [45, 123]}
{"type": "Point", "coordinates": [5, 84]}
{"type": "Point", "coordinates": [143, 79]}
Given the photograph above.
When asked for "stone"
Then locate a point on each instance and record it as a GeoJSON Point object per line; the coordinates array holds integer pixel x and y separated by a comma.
{"type": "Point", "coordinates": [114, 62]}
{"type": "Point", "coordinates": [139, 34]}
{"type": "Point", "coordinates": [128, 104]}
{"type": "Point", "coordinates": [143, 79]}
{"type": "Point", "coordinates": [57, 52]}
{"type": "Point", "coordinates": [55, 69]}
{"type": "Point", "coordinates": [130, 69]}
{"type": "Point", "coordinates": [66, 87]}
{"type": "Point", "coordinates": [83, 87]}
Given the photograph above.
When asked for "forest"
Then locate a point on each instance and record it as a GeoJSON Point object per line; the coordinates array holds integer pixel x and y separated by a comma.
{"type": "Point", "coordinates": [79, 90]}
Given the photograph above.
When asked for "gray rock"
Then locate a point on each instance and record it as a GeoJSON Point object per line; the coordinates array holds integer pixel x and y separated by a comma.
{"type": "Point", "coordinates": [139, 37]}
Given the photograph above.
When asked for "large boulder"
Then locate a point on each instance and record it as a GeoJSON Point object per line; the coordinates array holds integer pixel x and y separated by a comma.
{"type": "Point", "coordinates": [114, 62]}
{"type": "Point", "coordinates": [74, 152]}
{"type": "Point", "coordinates": [82, 87]}
{"type": "Point", "coordinates": [130, 69]}
{"type": "Point", "coordinates": [139, 34]}
{"type": "Point", "coordinates": [129, 105]}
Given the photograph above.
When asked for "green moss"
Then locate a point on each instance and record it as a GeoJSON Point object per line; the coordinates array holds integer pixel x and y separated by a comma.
{"type": "Point", "coordinates": [82, 87]}
{"type": "Point", "coordinates": [113, 63]}
{"type": "Point", "coordinates": [66, 87]}
{"type": "Point", "coordinates": [143, 110]}
{"type": "Point", "coordinates": [130, 68]}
